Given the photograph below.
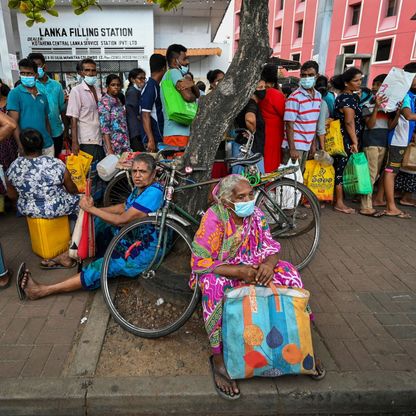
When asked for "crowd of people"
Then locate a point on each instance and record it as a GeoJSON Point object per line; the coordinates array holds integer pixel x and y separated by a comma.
{"type": "Point", "coordinates": [40, 122]}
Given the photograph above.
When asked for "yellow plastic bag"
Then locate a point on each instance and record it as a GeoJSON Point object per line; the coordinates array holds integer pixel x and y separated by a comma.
{"type": "Point", "coordinates": [78, 166]}
{"type": "Point", "coordinates": [334, 143]}
{"type": "Point", "coordinates": [320, 179]}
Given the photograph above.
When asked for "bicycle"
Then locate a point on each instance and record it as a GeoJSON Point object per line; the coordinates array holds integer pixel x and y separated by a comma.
{"type": "Point", "coordinates": [168, 273]}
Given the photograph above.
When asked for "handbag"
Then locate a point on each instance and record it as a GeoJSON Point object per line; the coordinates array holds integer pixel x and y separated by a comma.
{"type": "Point", "coordinates": [409, 158]}
{"type": "Point", "coordinates": [177, 109]}
{"type": "Point", "coordinates": [356, 178]}
{"type": "Point", "coordinates": [266, 332]}
{"type": "Point", "coordinates": [334, 142]}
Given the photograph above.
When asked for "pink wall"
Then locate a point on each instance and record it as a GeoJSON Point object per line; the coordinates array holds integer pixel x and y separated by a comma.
{"type": "Point", "coordinates": [373, 25]}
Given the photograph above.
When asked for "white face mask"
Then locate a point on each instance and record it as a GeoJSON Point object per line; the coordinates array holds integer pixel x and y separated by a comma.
{"type": "Point", "coordinates": [137, 87]}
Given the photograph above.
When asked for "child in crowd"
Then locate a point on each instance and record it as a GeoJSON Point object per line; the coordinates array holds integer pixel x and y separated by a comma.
{"type": "Point", "coordinates": [399, 139]}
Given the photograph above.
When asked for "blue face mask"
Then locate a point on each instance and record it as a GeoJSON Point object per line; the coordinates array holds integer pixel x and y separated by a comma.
{"type": "Point", "coordinates": [28, 81]}
{"type": "Point", "coordinates": [244, 209]}
{"type": "Point", "coordinates": [307, 83]}
{"type": "Point", "coordinates": [184, 69]}
{"type": "Point", "coordinates": [90, 80]}
{"type": "Point", "coordinates": [41, 72]}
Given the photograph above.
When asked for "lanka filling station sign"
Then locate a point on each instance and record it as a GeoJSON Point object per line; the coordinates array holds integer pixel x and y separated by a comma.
{"type": "Point", "coordinates": [94, 34]}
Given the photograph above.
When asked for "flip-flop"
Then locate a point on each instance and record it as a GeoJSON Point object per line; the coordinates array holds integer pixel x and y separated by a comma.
{"type": "Point", "coordinates": [19, 278]}
{"type": "Point", "coordinates": [57, 265]}
{"type": "Point", "coordinates": [217, 389]}
{"type": "Point", "coordinates": [402, 215]}
{"type": "Point", "coordinates": [375, 214]}
{"type": "Point", "coordinates": [9, 274]}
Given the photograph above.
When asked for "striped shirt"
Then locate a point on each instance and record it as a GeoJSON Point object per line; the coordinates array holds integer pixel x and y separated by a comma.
{"type": "Point", "coordinates": [303, 110]}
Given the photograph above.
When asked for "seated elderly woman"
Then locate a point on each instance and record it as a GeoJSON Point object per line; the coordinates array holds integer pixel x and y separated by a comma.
{"type": "Point", "coordinates": [146, 197]}
{"type": "Point", "coordinates": [233, 246]}
{"type": "Point", "coordinates": [42, 186]}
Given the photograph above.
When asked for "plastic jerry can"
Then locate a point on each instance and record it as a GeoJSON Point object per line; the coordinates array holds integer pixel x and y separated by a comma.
{"type": "Point", "coordinates": [49, 237]}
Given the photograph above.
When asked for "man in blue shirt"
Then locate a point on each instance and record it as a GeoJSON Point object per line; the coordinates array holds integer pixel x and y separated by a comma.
{"type": "Point", "coordinates": [29, 108]}
{"type": "Point", "coordinates": [176, 134]}
{"type": "Point", "coordinates": [55, 94]}
{"type": "Point", "coordinates": [151, 104]}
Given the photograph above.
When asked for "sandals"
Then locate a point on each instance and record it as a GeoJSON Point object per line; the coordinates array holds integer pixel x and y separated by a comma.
{"type": "Point", "coordinates": [20, 274]}
{"type": "Point", "coordinates": [55, 265]}
{"type": "Point", "coordinates": [217, 389]}
{"type": "Point", "coordinates": [374, 214]}
{"type": "Point", "coordinates": [320, 370]}
{"type": "Point", "coordinates": [402, 215]}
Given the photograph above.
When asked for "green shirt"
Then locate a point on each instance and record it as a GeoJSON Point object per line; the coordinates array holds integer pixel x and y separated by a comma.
{"type": "Point", "coordinates": [33, 111]}
{"type": "Point", "coordinates": [55, 94]}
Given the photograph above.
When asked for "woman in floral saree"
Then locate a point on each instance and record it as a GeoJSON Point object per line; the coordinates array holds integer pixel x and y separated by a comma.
{"type": "Point", "coordinates": [233, 246]}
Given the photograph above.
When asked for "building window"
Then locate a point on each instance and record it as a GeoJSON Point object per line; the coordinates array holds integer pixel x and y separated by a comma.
{"type": "Point", "coordinates": [348, 49]}
{"type": "Point", "coordinates": [282, 4]}
{"type": "Point", "coordinates": [278, 34]}
{"type": "Point", "coordinates": [391, 8]}
{"type": "Point", "coordinates": [355, 14]}
{"type": "Point", "coordinates": [383, 50]}
{"type": "Point", "coordinates": [296, 57]}
{"type": "Point", "coordinates": [299, 28]}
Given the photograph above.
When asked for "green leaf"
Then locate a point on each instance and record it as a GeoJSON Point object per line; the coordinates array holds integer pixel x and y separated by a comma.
{"type": "Point", "coordinates": [53, 12]}
{"type": "Point", "coordinates": [76, 3]}
{"type": "Point", "coordinates": [79, 11]}
{"type": "Point", "coordinates": [29, 23]}
{"type": "Point", "coordinates": [14, 4]}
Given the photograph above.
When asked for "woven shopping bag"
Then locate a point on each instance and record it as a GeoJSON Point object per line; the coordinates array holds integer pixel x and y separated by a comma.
{"type": "Point", "coordinates": [266, 332]}
{"type": "Point", "coordinates": [177, 109]}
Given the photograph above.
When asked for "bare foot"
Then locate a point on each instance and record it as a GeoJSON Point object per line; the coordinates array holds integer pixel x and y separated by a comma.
{"type": "Point", "coordinates": [222, 378]}
{"type": "Point", "coordinates": [32, 289]}
{"type": "Point", "coordinates": [377, 203]}
{"type": "Point", "coordinates": [5, 280]}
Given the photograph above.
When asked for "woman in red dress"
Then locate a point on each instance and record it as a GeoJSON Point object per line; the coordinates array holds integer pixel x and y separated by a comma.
{"type": "Point", "coordinates": [272, 109]}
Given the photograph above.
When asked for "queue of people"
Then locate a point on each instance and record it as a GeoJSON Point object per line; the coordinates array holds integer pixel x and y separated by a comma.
{"type": "Point", "coordinates": [233, 244]}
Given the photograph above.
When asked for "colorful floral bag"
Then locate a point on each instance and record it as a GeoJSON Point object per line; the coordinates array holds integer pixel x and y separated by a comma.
{"type": "Point", "coordinates": [266, 332]}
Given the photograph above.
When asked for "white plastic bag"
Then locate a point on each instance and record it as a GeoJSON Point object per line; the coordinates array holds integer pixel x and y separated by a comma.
{"type": "Point", "coordinates": [107, 167]}
{"type": "Point", "coordinates": [286, 197]}
{"type": "Point", "coordinates": [76, 236]}
{"type": "Point", "coordinates": [395, 87]}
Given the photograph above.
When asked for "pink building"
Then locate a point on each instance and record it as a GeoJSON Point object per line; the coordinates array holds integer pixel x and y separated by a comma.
{"type": "Point", "coordinates": [322, 29]}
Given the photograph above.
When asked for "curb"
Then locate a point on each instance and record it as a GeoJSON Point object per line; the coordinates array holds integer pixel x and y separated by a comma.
{"type": "Point", "coordinates": [339, 393]}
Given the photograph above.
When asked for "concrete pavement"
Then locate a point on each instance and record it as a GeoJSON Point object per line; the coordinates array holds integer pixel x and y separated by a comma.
{"type": "Point", "coordinates": [363, 294]}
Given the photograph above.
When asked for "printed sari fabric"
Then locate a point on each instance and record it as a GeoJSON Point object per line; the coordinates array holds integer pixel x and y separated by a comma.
{"type": "Point", "coordinates": [220, 241]}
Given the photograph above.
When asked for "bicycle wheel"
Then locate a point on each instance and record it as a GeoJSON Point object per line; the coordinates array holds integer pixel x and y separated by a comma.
{"type": "Point", "coordinates": [118, 189]}
{"type": "Point", "coordinates": [293, 214]}
{"type": "Point", "coordinates": [159, 300]}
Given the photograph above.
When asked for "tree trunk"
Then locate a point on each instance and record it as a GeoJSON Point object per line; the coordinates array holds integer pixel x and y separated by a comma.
{"type": "Point", "coordinates": [222, 105]}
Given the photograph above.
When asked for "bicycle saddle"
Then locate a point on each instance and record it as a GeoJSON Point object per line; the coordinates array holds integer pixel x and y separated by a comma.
{"type": "Point", "coordinates": [171, 150]}
{"type": "Point", "coordinates": [252, 160]}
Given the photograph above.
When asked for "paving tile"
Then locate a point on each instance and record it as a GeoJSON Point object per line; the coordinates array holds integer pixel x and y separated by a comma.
{"type": "Point", "coordinates": [402, 331]}
{"type": "Point", "coordinates": [36, 361]}
{"type": "Point", "coordinates": [11, 369]}
{"type": "Point", "coordinates": [393, 318]}
{"type": "Point", "coordinates": [394, 362]}
{"type": "Point", "coordinates": [384, 345]}
{"type": "Point", "coordinates": [56, 360]}
{"type": "Point", "coordinates": [17, 353]}
{"type": "Point", "coordinates": [31, 330]}
{"type": "Point", "coordinates": [336, 331]}
{"type": "Point", "coordinates": [361, 355]}
{"type": "Point", "coordinates": [409, 345]}
{"type": "Point", "coordinates": [341, 355]}
{"type": "Point", "coordinates": [13, 331]}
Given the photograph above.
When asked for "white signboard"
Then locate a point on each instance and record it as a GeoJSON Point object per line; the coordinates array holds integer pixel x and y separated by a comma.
{"type": "Point", "coordinates": [113, 34]}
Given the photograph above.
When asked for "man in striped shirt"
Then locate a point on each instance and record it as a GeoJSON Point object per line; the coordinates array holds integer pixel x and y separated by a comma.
{"type": "Point", "coordinates": [301, 115]}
